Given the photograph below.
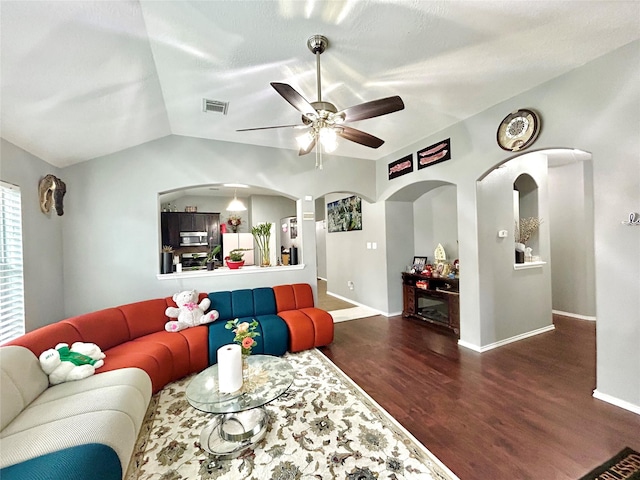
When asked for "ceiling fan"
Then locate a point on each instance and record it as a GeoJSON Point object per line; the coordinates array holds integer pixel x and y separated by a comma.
{"type": "Point", "coordinates": [322, 122]}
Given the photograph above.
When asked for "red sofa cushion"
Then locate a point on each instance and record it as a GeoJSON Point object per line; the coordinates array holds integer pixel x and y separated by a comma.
{"type": "Point", "coordinates": [301, 330]}
{"type": "Point", "coordinates": [145, 317]}
{"type": "Point", "coordinates": [303, 295]}
{"type": "Point", "coordinates": [48, 337]}
{"type": "Point", "coordinates": [285, 298]}
{"type": "Point", "coordinates": [106, 328]}
{"type": "Point", "coordinates": [153, 358]}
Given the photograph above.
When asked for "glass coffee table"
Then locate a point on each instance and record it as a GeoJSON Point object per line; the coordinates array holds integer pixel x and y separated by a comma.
{"type": "Point", "coordinates": [240, 419]}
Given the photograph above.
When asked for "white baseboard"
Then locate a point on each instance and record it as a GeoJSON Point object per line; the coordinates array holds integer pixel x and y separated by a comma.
{"type": "Point", "coordinates": [617, 402]}
{"type": "Point", "coordinates": [574, 315]}
{"type": "Point", "coordinates": [506, 341]}
{"type": "Point", "coordinates": [348, 300]}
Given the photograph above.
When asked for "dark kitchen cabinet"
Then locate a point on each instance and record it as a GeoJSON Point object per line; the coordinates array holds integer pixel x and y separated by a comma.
{"type": "Point", "coordinates": [172, 223]}
{"type": "Point", "coordinates": [170, 229]}
{"type": "Point", "coordinates": [193, 222]}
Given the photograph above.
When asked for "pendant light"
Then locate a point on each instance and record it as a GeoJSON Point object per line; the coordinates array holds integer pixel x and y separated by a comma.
{"type": "Point", "coordinates": [236, 205]}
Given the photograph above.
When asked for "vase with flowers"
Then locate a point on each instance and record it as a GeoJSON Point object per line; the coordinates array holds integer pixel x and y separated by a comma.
{"type": "Point", "coordinates": [245, 333]}
{"type": "Point", "coordinates": [524, 229]}
{"type": "Point", "coordinates": [234, 222]}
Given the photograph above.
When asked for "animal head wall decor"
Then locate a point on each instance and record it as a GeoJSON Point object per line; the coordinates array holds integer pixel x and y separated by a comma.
{"type": "Point", "coordinates": [51, 190]}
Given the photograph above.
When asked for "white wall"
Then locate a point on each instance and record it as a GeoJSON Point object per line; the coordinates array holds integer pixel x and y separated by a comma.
{"type": "Point", "coordinates": [41, 237]}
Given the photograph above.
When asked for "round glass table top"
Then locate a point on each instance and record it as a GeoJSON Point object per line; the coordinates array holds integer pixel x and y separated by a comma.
{"type": "Point", "coordinates": [267, 378]}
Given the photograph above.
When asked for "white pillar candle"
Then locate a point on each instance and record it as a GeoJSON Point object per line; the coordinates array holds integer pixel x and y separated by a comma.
{"type": "Point", "coordinates": [229, 368]}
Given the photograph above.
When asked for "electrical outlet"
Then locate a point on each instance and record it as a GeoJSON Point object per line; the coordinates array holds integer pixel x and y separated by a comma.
{"type": "Point", "coordinates": [350, 285]}
{"type": "Point", "coordinates": [502, 233]}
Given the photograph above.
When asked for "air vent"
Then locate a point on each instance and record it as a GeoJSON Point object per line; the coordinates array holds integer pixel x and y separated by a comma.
{"type": "Point", "coordinates": [214, 106]}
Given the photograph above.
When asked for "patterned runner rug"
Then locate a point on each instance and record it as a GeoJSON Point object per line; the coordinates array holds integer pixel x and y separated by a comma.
{"type": "Point", "coordinates": [323, 427]}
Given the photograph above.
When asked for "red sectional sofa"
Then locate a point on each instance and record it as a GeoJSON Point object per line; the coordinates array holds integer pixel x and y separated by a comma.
{"type": "Point", "coordinates": [141, 358]}
{"type": "Point", "coordinates": [308, 326]}
{"type": "Point", "coordinates": [130, 335]}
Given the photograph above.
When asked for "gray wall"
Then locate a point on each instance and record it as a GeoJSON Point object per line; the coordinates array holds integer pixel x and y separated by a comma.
{"type": "Point", "coordinates": [435, 220]}
{"type": "Point", "coordinates": [41, 237]}
{"type": "Point", "coordinates": [112, 211]}
{"type": "Point", "coordinates": [593, 108]}
{"type": "Point", "coordinates": [321, 248]}
{"type": "Point", "coordinates": [571, 228]}
{"type": "Point", "coordinates": [349, 259]}
{"type": "Point", "coordinates": [517, 301]}
{"type": "Point", "coordinates": [269, 208]}
{"type": "Point", "coordinates": [112, 257]}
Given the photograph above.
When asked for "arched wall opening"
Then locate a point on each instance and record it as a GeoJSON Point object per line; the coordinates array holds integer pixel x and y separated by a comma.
{"type": "Point", "coordinates": [556, 186]}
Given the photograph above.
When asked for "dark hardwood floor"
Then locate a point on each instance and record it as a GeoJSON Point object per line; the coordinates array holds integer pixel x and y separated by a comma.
{"type": "Point", "coordinates": [521, 411]}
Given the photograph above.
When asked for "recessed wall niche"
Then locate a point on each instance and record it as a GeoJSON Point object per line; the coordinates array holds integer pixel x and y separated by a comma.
{"type": "Point", "coordinates": [525, 203]}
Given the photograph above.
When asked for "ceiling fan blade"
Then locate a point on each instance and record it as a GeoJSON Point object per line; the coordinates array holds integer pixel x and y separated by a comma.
{"type": "Point", "coordinates": [359, 136]}
{"type": "Point", "coordinates": [295, 99]}
{"type": "Point", "coordinates": [371, 109]}
{"type": "Point", "coordinates": [304, 151]}
{"type": "Point", "coordinates": [269, 128]}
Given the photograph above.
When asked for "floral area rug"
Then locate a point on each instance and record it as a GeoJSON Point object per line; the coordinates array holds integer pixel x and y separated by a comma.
{"type": "Point", "coordinates": [323, 427]}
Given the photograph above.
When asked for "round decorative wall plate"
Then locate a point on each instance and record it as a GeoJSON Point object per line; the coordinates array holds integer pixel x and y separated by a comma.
{"type": "Point", "coordinates": [518, 130]}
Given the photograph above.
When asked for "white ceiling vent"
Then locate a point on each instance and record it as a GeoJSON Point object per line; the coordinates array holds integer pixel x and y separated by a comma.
{"type": "Point", "coordinates": [214, 106]}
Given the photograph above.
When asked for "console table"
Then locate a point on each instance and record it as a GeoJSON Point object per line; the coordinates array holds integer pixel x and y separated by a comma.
{"type": "Point", "coordinates": [433, 300]}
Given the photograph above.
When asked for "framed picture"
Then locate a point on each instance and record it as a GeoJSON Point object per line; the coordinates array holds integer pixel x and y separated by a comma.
{"type": "Point", "coordinates": [419, 263]}
{"type": "Point", "coordinates": [345, 215]}
{"type": "Point", "coordinates": [401, 167]}
{"type": "Point", "coordinates": [436, 153]}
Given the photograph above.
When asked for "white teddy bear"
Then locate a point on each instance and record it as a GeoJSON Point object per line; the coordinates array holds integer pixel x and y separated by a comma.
{"type": "Point", "coordinates": [189, 313]}
{"type": "Point", "coordinates": [64, 364]}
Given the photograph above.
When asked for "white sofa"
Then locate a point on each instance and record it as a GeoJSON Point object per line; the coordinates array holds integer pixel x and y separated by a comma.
{"type": "Point", "coordinates": [93, 423]}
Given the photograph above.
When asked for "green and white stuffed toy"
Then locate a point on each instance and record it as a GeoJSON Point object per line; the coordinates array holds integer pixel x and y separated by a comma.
{"type": "Point", "coordinates": [64, 364]}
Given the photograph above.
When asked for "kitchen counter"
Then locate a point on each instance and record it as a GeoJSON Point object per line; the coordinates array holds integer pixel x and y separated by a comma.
{"type": "Point", "coordinates": [222, 271]}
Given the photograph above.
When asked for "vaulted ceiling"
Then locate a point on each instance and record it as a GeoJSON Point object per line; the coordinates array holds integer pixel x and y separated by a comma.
{"type": "Point", "coordinates": [82, 79]}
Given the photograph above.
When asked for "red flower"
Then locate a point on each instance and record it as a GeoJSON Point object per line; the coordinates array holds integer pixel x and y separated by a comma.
{"type": "Point", "coordinates": [247, 342]}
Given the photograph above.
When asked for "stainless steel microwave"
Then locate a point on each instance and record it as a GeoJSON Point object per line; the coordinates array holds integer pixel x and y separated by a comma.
{"type": "Point", "coordinates": [193, 239]}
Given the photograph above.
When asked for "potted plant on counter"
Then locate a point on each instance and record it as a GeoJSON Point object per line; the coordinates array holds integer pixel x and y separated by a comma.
{"type": "Point", "coordinates": [211, 257]}
{"type": "Point", "coordinates": [235, 259]}
{"type": "Point", "coordinates": [262, 234]}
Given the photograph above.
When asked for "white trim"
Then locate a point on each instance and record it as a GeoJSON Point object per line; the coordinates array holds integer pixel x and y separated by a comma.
{"type": "Point", "coordinates": [470, 346]}
{"type": "Point", "coordinates": [574, 315]}
{"type": "Point", "coordinates": [526, 265]}
{"type": "Point", "coordinates": [617, 402]}
{"type": "Point", "coordinates": [417, 442]}
{"type": "Point", "coordinates": [506, 341]}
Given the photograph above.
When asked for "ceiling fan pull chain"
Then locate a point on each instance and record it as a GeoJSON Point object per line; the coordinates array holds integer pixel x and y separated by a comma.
{"type": "Point", "coordinates": [318, 76]}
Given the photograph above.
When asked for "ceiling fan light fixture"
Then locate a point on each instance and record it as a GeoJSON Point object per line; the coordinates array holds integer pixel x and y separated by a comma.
{"type": "Point", "coordinates": [236, 205]}
{"type": "Point", "coordinates": [328, 139]}
{"type": "Point", "coordinates": [304, 140]}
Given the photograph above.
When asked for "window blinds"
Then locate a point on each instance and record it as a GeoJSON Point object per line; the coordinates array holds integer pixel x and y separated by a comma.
{"type": "Point", "coordinates": [11, 277]}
